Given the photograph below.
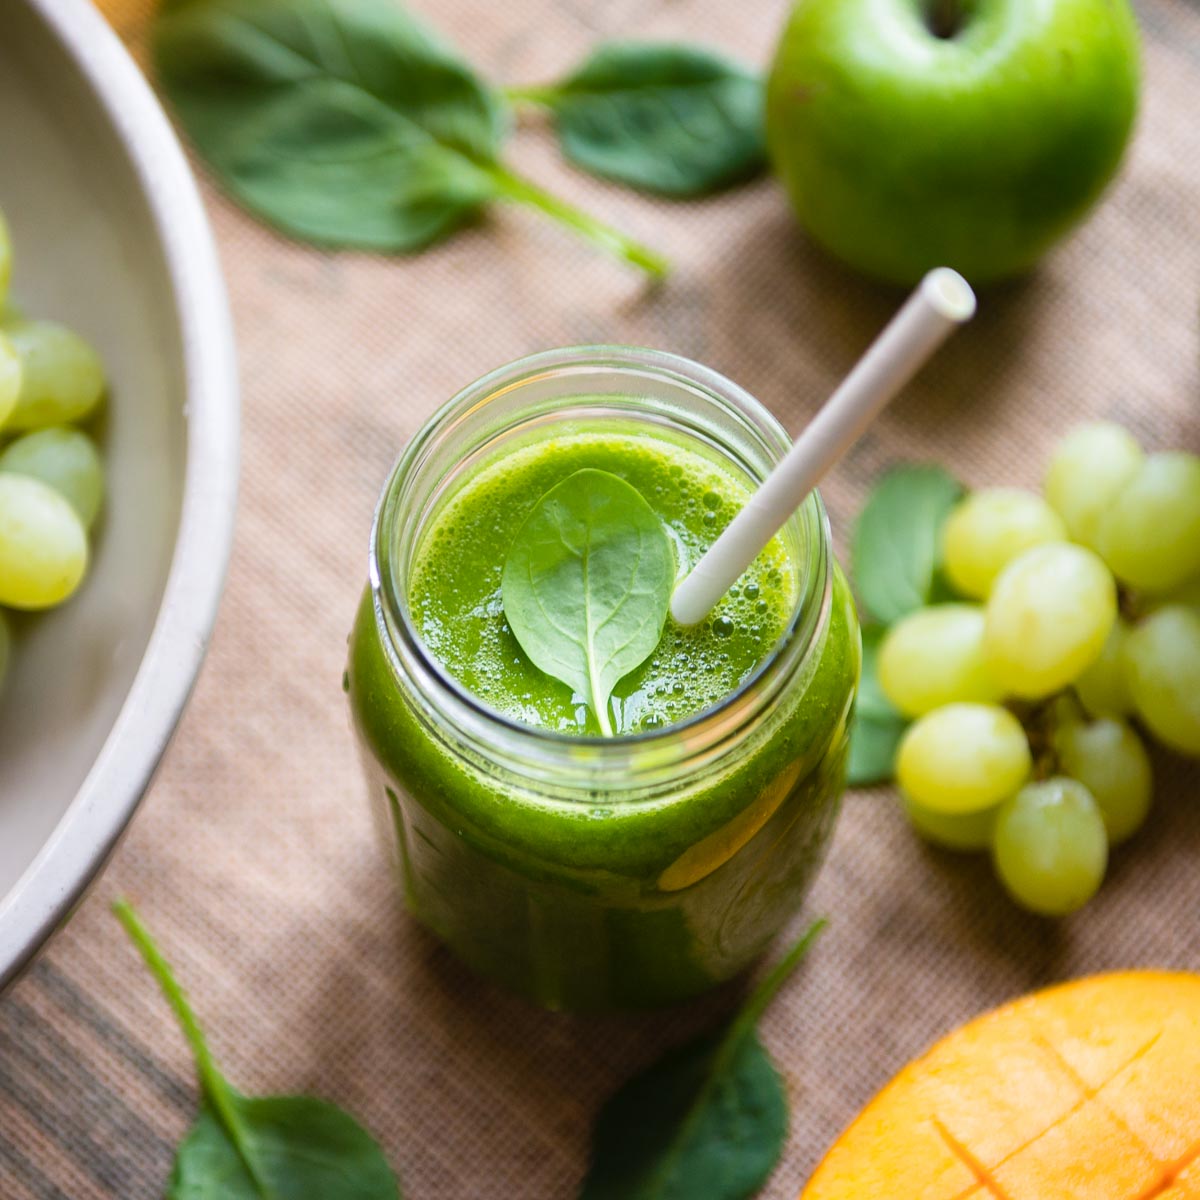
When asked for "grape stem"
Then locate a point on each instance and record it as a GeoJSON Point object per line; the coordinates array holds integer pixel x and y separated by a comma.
{"type": "Point", "coordinates": [1041, 719]}
{"type": "Point", "coordinates": [944, 17]}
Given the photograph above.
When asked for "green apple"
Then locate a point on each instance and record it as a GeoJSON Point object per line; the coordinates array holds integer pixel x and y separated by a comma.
{"type": "Point", "coordinates": [967, 133]}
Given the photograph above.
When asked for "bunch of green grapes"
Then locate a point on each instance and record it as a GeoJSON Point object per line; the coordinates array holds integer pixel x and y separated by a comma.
{"type": "Point", "coordinates": [1080, 615]}
{"type": "Point", "coordinates": [51, 477]}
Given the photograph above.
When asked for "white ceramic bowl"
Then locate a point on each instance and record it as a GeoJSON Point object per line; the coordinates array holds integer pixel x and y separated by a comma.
{"type": "Point", "coordinates": [110, 237]}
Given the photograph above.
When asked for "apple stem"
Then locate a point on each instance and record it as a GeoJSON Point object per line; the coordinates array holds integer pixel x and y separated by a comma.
{"type": "Point", "coordinates": [945, 17]}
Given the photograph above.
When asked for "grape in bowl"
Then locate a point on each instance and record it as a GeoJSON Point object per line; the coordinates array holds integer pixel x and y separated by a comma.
{"type": "Point", "coordinates": [109, 238]}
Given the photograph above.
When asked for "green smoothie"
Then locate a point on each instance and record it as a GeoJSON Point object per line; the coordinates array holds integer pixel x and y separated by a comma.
{"type": "Point", "coordinates": [454, 590]}
{"type": "Point", "coordinates": [609, 890]}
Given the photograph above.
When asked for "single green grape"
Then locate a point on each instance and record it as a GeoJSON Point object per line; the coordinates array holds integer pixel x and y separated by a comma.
{"type": "Point", "coordinates": [10, 379]}
{"type": "Point", "coordinates": [933, 657]}
{"type": "Point", "coordinates": [1048, 618]}
{"type": "Point", "coordinates": [64, 458]}
{"type": "Point", "coordinates": [963, 758]}
{"type": "Point", "coordinates": [1103, 688]}
{"type": "Point", "coordinates": [1162, 665]}
{"type": "Point", "coordinates": [966, 832]}
{"type": "Point", "coordinates": [1150, 534]}
{"type": "Point", "coordinates": [43, 545]}
{"type": "Point", "coordinates": [1050, 847]}
{"type": "Point", "coordinates": [988, 529]}
{"type": "Point", "coordinates": [62, 378]}
{"type": "Point", "coordinates": [1109, 759]}
{"type": "Point", "coordinates": [1089, 468]}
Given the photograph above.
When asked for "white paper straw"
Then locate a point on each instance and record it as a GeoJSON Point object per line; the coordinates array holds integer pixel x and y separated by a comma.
{"type": "Point", "coordinates": [941, 302]}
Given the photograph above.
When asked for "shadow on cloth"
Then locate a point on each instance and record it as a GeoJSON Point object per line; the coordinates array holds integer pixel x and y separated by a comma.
{"type": "Point", "coordinates": [505, 1081]}
{"type": "Point", "coordinates": [787, 322]}
{"type": "Point", "coordinates": [1041, 950]}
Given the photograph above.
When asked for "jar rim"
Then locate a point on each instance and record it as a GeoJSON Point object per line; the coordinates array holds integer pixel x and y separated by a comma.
{"type": "Point", "coordinates": [408, 652]}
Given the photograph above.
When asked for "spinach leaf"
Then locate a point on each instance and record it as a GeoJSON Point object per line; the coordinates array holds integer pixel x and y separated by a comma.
{"type": "Point", "coordinates": [665, 118]}
{"type": "Point", "coordinates": [261, 1148]}
{"type": "Point", "coordinates": [895, 552]}
{"type": "Point", "coordinates": [345, 122]}
{"type": "Point", "coordinates": [708, 1120]}
{"type": "Point", "coordinates": [587, 584]}
{"type": "Point", "coordinates": [878, 726]}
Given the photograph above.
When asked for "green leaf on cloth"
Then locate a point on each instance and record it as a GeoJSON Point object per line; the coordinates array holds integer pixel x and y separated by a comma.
{"type": "Point", "coordinates": [346, 122]}
{"type": "Point", "coordinates": [665, 118]}
{"type": "Point", "coordinates": [708, 1120]}
{"type": "Point", "coordinates": [895, 552]}
{"type": "Point", "coordinates": [267, 1147]}
{"type": "Point", "coordinates": [878, 726]}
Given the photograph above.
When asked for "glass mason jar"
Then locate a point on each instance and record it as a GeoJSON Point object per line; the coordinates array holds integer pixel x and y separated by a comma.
{"type": "Point", "coordinates": [586, 872]}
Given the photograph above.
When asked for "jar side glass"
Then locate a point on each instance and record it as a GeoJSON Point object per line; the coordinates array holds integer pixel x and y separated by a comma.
{"type": "Point", "coordinates": [609, 875]}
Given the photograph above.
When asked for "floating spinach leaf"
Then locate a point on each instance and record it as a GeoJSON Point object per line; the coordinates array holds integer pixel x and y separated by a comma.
{"type": "Point", "coordinates": [587, 584]}
{"type": "Point", "coordinates": [895, 553]}
{"type": "Point", "coordinates": [878, 726]}
{"type": "Point", "coordinates": [665, 118]}
{"type": "Point", "coordinates": [708, 1120]}
{"type": "Point", "coordinates": [261, 1148]}
{"type": "Point", "coordinates": [345, 122]}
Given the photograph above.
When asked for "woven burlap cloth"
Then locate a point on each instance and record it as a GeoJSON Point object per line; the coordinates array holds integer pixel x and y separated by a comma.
{"type": "Point", "coordinates": [253, 857]}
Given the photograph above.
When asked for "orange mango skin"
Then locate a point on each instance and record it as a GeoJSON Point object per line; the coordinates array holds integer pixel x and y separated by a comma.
{"type": "Point", "coordinates": [1086, 1091]}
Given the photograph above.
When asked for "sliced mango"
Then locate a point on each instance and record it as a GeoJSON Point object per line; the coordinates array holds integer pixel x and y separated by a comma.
{"type": "Point", "coordinates": [1087, 1091]}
